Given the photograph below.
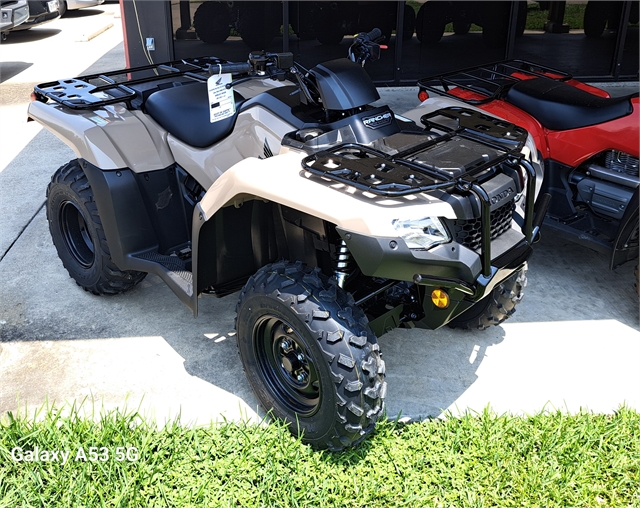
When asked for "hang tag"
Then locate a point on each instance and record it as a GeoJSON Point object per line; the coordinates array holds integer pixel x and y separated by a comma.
{"type": "Point", "coordinates": [221, 102]}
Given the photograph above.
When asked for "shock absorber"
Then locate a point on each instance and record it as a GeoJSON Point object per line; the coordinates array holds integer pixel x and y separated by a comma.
{"type": "Point", "coordinates": [343, 264]}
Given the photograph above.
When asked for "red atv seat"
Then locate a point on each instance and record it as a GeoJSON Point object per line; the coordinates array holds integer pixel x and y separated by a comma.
{"type": "Point", "coordinates": [183, 111]}
{"type": "Point", "coordinates": [559, 106]}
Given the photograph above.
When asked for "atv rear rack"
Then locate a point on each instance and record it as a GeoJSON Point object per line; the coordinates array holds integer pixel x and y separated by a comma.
{"type": "Point", "coordinates": [96, 90]}
{"type": "Point", "coordinates": [488, 82]}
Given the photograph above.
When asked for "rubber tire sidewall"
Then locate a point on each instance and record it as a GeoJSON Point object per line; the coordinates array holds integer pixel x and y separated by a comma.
{"type": "Point", "coordinates": [409, 23]}
{"type": "Point", "coordinates": [431, 21]}
{"type": "Point", "coordinates": [276, 291]}
{"type": "Point", "coordinates": [461, 27]}
{"type": "Point", "coordinates": [258, 23]}
{"type": "Point", "coordinates": [495, 23]}
{"type": "Point", "coordinates": [330, 35]}
{"type": "Point", "coordinates": [596, 15]}
{"type": "Point", "coordinates": [256, 307]}
{"type": "Point", "coordinates": [60, 193]}
{"type": "Point", "coordinates": [70, 184]}
{"type": "Point", "coordinates": [496, 307]}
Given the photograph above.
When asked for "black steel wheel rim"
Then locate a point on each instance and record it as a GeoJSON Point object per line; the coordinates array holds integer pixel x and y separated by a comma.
{"type": "Point", "coordinates": [76, 234]}
{"type": "Point", "coordinates": [286, 365]}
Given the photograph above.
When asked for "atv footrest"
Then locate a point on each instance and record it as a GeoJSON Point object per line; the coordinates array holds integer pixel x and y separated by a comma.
{"type": "Point", "coordinates": [172, 270]}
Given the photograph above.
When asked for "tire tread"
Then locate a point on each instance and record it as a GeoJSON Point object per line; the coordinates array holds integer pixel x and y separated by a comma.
{"type": "Point", "coordinates": [495, 308]}
{"type": "Point", "coordinates": [111, 280]}
{"type": "Point", "coordinates": [345, 339]}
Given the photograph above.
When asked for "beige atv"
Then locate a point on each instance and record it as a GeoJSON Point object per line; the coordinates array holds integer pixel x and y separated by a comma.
{"type": "Point", "coordinates": [336, 220]}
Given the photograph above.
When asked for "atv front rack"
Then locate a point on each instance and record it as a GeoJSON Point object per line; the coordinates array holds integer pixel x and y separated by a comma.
{"type": "Point", "coordinates": [389, 175]}
{"type": "Point", "coordinates": [399, 174]}
{"type": "Point", "coordinates": [97, 90]}
{"type": "Point", "coordinates": [486, 83]}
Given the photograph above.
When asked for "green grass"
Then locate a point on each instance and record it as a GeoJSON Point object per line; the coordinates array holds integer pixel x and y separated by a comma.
{"type": "Point", "coordinates": [550, 459]}
{"type": "Point", "coordinates": [573, 16]}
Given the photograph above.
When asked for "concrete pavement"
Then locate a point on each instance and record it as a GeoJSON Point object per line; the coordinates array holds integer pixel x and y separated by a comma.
{"type": "Point", "coordinates": [573, 343]}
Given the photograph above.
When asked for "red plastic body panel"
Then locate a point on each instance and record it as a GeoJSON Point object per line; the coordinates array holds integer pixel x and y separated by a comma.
{"type": "Point", "coordinates": [574, 146]}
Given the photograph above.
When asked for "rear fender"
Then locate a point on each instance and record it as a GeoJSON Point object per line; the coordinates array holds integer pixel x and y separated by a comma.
{"type": "Point", "coordinates": [111, 137]}
{"type": "Point", "coordinates": [573, 147]}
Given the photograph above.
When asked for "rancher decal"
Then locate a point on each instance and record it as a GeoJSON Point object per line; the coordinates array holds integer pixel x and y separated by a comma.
{"type": "Point", "coordinates": [375, 122]}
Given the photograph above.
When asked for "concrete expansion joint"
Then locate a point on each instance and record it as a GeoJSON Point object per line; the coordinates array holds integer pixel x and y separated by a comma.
{"type": "Point", "coordinates": [93, 32]}
{"type": "Point", "coordinates": [3, 254]}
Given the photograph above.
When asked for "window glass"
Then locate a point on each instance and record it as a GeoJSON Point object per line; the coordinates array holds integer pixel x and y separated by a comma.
{"type": "Point", "coordinates": [576, 36]}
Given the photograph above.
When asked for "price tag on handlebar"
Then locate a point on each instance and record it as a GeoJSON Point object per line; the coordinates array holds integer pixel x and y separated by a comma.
{"type": "Point", "coordinates": [221, 102]}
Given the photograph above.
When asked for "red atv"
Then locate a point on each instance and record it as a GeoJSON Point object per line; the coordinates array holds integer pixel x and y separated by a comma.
{"type": "Point", "coordinates": [587, 139]}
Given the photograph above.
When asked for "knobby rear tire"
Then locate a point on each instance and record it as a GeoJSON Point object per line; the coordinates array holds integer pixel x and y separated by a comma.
{"type": "Point", "coordinates": [211, 22]}
{"type": "Point", "coordinates": [78, 235]}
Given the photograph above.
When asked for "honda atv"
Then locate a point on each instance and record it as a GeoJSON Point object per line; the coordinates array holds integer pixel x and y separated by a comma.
{"type": "Point", "coordinates": [335, 219]}
{"type": "Point", "coordinates": [588, 141]}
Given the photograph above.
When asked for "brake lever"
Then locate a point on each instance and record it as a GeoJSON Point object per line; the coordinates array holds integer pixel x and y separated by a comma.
{"type": "Point", "coordinates": [303, 86]}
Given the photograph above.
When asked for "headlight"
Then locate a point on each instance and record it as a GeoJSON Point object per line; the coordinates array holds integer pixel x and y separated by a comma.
{"type": "Point", "coordinates": [422, 233]}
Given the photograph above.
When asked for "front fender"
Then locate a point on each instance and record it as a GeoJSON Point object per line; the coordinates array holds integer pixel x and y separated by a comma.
{"type": "Point", "coordinates": [281, 179]}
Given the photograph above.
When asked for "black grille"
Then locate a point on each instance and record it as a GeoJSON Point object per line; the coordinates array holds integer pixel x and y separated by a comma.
{"type": "Point", "coordinates": [468, 232]}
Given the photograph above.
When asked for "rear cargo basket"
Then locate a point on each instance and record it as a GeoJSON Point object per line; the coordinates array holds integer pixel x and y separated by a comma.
{"type": "Point", "coordinates": [96, 90]}
{"type": "Point", "coordinates": [485, 83]}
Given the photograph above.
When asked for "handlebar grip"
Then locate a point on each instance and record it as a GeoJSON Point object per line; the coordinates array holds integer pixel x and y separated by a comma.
{"type": "Point", "coordinates": [372, 35]}
{"type": "Point", "coordinates": [232, 68]}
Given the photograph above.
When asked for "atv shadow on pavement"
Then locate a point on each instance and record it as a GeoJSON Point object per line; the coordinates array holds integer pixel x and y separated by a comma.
{"type": "Point", "coordinates": [428, 371]}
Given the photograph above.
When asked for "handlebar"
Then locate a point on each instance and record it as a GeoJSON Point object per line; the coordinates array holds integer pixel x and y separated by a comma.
{"type": "Point", "coordinates": [365, 48]}
{"type": "Point", "coordinates": [371, 36]}
{"type": "Point", "coordinates": [232, 68]}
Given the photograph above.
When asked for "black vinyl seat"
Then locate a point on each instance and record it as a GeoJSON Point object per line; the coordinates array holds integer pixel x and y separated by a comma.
{"type": "Point", "coordinates": [559, 106]}
{"type": "Point", "coordinates": [183, 111]}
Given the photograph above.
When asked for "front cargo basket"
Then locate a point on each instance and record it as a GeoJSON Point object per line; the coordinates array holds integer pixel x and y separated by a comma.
{"type": "Point", "coordinates": [400, 174]}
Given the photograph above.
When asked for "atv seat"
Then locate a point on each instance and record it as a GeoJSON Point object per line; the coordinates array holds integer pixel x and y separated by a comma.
{"type": "Point", "coordinates": [183, 111]}
{"type": "Point", "coordinates": [559, 106]}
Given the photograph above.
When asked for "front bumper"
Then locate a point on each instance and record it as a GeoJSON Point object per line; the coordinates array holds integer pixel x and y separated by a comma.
{"type": "Point", "coordinates": [13, 15]}
{"type": "Point", "coordinates": [452, 267]}
{"type": "Point", "coordinates": [81, 4]}
{"type": "Point", "coordinates": [40, 13]}
{"type": "Point", "coordinates": [466, 275]}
